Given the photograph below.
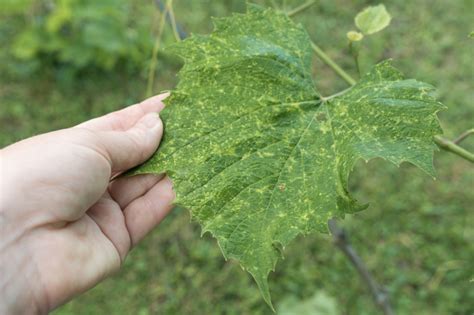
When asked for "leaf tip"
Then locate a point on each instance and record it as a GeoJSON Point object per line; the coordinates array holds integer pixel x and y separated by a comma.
{"type": "Point", "coordinates": [262, 282]}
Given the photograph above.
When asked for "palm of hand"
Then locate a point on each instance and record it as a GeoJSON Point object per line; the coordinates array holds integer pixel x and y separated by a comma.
{"type": "Point", "coordinates": [66, 225]}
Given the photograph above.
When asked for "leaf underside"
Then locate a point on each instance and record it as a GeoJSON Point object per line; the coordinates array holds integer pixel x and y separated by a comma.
{"type": "Point", "coordinates": [258, 156]}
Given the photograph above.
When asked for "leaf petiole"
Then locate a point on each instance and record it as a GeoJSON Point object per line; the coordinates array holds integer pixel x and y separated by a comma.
{"type": "Point", "coordinates": [327, 98]}
{"type": "Point", "coordinates": [331, 63]}
{"type": "Point", "coordinates": [301, 8]}
{"type": "Point", "coordinates": [452, 147]}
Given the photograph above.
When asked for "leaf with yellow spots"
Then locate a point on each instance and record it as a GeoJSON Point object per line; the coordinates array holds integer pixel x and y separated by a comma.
{"type": "Point", "coordinates": [255, 152]}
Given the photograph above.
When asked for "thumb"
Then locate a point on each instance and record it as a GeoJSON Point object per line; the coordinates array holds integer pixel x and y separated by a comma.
{"type": "Point", "coordinates": [126, 149]}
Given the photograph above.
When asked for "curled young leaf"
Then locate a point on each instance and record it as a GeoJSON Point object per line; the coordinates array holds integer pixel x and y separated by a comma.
{"type": "Point", "coordinates": [354, 36]}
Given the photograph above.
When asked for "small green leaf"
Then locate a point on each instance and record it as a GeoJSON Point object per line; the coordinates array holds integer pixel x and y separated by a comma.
{"type": "Point", "coordinates": [255, 152]}
{"type": "Point", "coordinates": [373, 19]}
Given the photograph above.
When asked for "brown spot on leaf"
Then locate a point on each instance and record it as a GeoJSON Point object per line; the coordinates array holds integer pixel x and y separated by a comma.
{"type": "Point", "coordinates": [321, 117]}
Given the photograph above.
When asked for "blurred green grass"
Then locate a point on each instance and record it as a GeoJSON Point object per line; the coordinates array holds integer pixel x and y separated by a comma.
{"type": "Point", "coordinates": [417, 236]}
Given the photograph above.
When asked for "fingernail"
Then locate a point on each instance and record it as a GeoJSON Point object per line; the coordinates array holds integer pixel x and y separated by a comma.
{"type": "Point", "coordinates": [151, 120]}
{"type": "Point", "coordinates": [164, 95]}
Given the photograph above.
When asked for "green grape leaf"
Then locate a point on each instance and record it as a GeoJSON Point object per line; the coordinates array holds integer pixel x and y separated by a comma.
{"type": "Point", "coordinates": [258, 156]}
{"type": "Point", "coordinates": [373, 19]}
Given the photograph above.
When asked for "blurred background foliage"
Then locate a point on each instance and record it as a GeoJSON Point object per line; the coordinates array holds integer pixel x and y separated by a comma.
{"type": "Point", "coordinates": [81, 34]}
{"type": "Point", "coordinates": [65, 61]}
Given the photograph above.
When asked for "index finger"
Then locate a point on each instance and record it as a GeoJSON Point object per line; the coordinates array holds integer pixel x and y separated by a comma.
{"type": "Point", "coordinates": [123, 119]}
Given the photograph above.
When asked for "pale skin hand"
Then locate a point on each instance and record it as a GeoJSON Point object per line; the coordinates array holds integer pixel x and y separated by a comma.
{"type": "Point", "coordinates": [64, 225]}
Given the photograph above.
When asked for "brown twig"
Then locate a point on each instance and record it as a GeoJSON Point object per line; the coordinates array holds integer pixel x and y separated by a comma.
{"type": "Point", "coordinates": [379, 294]}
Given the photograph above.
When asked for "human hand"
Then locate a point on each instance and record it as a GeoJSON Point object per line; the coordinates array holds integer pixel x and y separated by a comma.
{"type": "Point", "coordinates": [64, 225]}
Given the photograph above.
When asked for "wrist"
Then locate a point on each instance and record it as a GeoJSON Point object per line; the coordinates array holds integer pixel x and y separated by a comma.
{"type": "Point", "coordinates": [19, 283]}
